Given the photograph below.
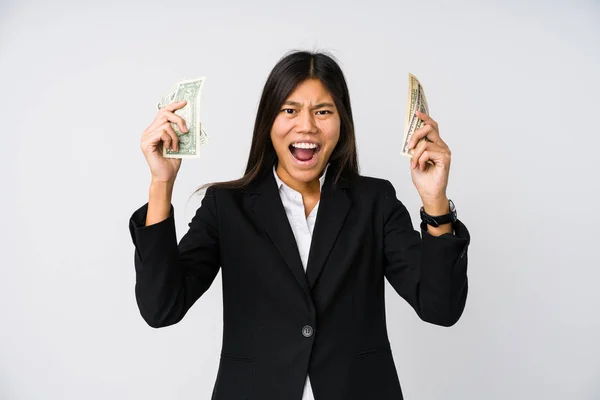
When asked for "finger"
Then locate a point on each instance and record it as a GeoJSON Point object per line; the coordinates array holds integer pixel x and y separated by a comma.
{"type": "Point", "coordinates": [159, 123]}
{"type": "Point", "coordinates": [171, 132]}
{"type": "Point", "coordinates": [425, 131]}
{"type": "Point", "coordinates": [165, 116]}
{"type": "Point", "coordinates": [161, 135]}
{"type": "Point", "coordinates": [417, 151]}
{"type": "Point", "coordinates": [175, 106]}
{"type": "Point", "coordinates": [167, 140]}
{"type": "Point", "coordinates": [435, 157]}
{"type": "Point", "coordinates": [155, 139]}
{"type": "Point", "coordinates": [421, 148]}
{"type": "Point", "coordinates": [152, 137]}
{"type": "Point", "coordinates": [424, 158]}
{"type": "Point", "coordinates": [427, 119]}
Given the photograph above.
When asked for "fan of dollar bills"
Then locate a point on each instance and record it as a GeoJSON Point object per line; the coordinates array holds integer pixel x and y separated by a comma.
{"type": "Point", "coordinates": [416, 101]}
{"type": "Point", "coordinates": [189, 143]}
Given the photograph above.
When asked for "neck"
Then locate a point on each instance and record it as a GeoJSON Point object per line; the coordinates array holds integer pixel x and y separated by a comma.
{"type": "Point", "coordinates": [306, 189]}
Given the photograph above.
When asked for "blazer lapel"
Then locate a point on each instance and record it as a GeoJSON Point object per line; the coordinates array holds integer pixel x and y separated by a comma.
{"type": "Point", "coordinates": [334, 205]}
{"type": "Point", "coordinates": [269, 209]}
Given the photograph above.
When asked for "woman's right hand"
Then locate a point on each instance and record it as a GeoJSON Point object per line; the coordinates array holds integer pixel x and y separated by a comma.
{"type": "Point", "coordinates": [160, 133]}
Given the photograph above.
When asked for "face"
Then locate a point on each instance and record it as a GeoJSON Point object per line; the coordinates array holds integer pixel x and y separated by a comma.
{"type": "Point", "coordinates": [305, 132]}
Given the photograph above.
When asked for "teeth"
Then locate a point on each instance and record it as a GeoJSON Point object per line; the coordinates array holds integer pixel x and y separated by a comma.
{"type": "Point", "coordinates": [305, 145]}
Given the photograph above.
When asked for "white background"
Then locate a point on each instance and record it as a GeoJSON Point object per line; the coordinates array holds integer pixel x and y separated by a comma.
{"type": "Point", "coordinates": [513, 85]}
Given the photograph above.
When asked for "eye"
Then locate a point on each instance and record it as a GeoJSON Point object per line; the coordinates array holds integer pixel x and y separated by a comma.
{"type": "Point", "coordinates": [324, 112]}
{"type": "Point", "coordinates": [288, 110]}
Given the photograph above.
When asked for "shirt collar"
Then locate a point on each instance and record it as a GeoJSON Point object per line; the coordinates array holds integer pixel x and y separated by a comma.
{"type": "Point", "coordinates": [281, 183]}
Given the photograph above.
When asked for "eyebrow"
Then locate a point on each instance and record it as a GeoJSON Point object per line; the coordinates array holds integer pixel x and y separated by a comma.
{"type": "Point", "coordinates": [296, 104]}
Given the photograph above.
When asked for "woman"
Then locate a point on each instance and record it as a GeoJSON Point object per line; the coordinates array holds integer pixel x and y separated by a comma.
{"type": "Point", "coordinates": [304, 243]}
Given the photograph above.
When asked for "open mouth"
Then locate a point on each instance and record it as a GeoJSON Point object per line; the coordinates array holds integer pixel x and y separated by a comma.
{"type": "Point", "coordinates": [304, 153]}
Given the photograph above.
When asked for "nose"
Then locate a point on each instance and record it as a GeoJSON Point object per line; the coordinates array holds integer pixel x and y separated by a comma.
{"type": "Point", "coordinates": [306, 122]}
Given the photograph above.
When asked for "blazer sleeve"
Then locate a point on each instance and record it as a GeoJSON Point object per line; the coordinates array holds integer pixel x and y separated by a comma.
{"type": "Point", "coordinates": [429, 272]}
{"type": "Point", "coordinates": [170, 277]}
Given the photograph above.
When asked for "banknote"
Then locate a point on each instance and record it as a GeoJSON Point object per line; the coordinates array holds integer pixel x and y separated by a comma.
{"type": "Point", "coordinates": [168, 97]}
{"type": "Point", "coordinates": [190, 142]}
{"type": "Point", "coordinates": [416, 101]}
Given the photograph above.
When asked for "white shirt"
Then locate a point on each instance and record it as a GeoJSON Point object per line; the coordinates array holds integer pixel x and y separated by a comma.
{"type": "Point", "coordinates": [302, 227]}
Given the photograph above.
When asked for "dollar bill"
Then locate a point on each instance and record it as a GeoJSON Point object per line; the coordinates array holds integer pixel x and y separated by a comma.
{"type": "Point", "coordinates": [416, 101]}
{"type": "Point", "coordinates": [190, 142]}
{"type": "Point", "coordinates": [168, 97]}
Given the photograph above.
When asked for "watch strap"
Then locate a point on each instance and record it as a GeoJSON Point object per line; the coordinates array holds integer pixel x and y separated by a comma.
{"type": "Point", "coordinates": [440, 219]}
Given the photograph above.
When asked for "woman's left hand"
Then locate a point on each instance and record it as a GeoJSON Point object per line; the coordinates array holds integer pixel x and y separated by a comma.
{"type": "Point", "coordinates": [430, 178]}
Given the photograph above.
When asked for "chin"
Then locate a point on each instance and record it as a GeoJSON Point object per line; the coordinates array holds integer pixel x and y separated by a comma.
{"type": "Point", "coordinates": [304, 171]}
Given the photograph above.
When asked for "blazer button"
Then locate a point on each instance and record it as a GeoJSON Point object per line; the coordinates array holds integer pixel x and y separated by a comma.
{"type": "Point", "coordinates": [307, 331]}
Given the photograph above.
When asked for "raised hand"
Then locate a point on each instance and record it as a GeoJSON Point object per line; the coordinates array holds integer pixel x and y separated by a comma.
{"type": "Point", "coordinates": [430, 162]}
{"type": "Point", "coordinates": [160, 133]}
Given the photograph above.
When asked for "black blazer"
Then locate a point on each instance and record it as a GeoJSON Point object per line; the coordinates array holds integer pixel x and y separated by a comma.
{"type": "Point", "coordinates": [281, 323]}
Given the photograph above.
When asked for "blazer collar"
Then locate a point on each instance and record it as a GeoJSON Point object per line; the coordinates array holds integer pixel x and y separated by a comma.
{"type": "Point", "coordinates": [334, 206]}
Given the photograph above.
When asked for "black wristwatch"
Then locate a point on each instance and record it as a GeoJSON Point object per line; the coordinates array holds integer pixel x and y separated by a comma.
{"type": "Point", "coordinates": [441, 219]}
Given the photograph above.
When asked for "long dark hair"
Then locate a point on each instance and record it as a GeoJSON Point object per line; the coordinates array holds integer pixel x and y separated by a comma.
{"type": "Point", "coordinates": [291, 70]}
